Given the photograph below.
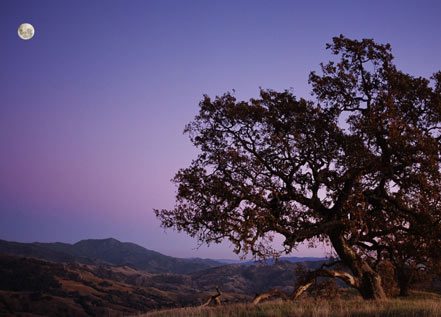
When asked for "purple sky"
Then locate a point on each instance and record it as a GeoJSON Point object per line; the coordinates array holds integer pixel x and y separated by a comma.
{"type": "Point", "coordinates": [93, 107]}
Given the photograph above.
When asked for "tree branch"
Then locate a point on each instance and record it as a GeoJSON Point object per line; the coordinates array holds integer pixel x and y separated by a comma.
{"type": "Point", "coordinates": [214, 299]}
{"type": "Point", "coordinates": [271, 293]}
{"type": "Point", "coordinates": [312, 276]}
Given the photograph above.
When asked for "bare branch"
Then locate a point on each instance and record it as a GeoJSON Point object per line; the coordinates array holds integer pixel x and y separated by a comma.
{"type": "Point", "coordinates": [312, 276]}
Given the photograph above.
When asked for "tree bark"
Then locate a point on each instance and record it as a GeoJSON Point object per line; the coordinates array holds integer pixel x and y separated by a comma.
{"type": "Point", "coordinates": [214, 299]}
{"type": "Point", "coordinates": [368, 282]}
{"type": "Point", "coordinates": [370, 286]}
{"type": "Point", "coordinates": [404, 278]}
{"type": "Point", "coordinates": [309, 280]}
{"type": "Point", "coordinates": [266, 295]}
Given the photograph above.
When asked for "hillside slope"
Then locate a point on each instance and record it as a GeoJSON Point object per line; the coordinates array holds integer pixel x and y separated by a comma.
{"type": "Point", "coordinates": [107, 251]}
{"type": "Point", "coordinates": [73, 289]}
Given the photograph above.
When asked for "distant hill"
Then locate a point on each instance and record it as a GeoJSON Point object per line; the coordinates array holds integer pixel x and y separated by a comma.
{"type": "Point", "coordinates": [114, 252]}
{"type": "Point", "coordinates": [251, 278]}
{"type": "Point", "coordinates": [33, 287]}
{"type": "Point", "coordinates": [107, 251]}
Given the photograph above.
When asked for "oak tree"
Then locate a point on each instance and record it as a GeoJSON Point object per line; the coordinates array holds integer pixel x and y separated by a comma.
{"type": "Point", "coordinates": [349, 167]}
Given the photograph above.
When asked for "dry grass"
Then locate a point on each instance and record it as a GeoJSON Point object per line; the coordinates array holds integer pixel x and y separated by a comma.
{"type": "Point", "coordinates": [74, 286]}
{"type": "Point", "coordinates": [415, 306]}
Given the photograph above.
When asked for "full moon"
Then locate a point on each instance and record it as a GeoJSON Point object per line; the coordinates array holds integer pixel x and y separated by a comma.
{"type": "Point", "coordinates": [26, 31]}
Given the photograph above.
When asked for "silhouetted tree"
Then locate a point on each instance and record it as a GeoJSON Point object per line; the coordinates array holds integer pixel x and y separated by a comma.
{"type": "Point", "coordinates": [348, 168]}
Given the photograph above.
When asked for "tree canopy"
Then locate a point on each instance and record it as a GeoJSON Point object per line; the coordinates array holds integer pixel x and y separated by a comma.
{"type": "Point", "coordinates": [358, 166]}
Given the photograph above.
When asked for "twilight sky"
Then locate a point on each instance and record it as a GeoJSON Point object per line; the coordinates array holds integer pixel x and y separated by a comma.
{"type": "Point", "coordinates": [93, 107]}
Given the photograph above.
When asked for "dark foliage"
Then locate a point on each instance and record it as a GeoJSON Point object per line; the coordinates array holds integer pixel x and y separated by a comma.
{"type": "Point", "coordinates": [358, 167]}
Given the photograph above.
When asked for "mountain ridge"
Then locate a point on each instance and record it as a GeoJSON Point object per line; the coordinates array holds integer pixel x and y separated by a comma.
{"type": "Point", "coordinates": [114, 252]}
{"type": "Point", "coordinates": [106, 251]}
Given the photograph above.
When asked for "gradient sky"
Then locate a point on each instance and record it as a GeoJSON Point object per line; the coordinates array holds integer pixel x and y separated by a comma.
{"type": "Point", "coordinates": [92, 109]}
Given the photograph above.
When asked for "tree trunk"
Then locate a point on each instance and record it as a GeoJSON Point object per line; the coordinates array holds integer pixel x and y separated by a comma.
{"type": "Point", "coordinates": [368, 282]}
{"type": "Point", "coordinates": [404, 277]}
{"type": "Point", "coordinates": [363, 278]}
{"type": "Point", "coordinates": [370, 286]}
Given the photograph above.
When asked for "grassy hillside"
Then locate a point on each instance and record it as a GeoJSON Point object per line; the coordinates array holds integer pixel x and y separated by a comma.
{"type": "Point", "coordinates": [249, 279]}
{"type": "Point", "coordinates": [55, 289]}
{"type": "Point", "coordinates": [428, 306]}
{"type": "Point", "coordinates": [73, 289]}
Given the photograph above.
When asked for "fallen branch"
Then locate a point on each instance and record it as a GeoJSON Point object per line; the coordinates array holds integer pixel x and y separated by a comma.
{"type": "Point", "coordinates": [263, 296]}
{"type": "Point", "coordinates": [214, 299]}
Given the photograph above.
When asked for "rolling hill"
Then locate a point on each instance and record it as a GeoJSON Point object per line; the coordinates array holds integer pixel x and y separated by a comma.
{"type": "Point", "coordinates": [107, 251]}
{"type": "Point", "coordinates": [29, 285]}
{"type": "Point", "coordinates": [98, 277]}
